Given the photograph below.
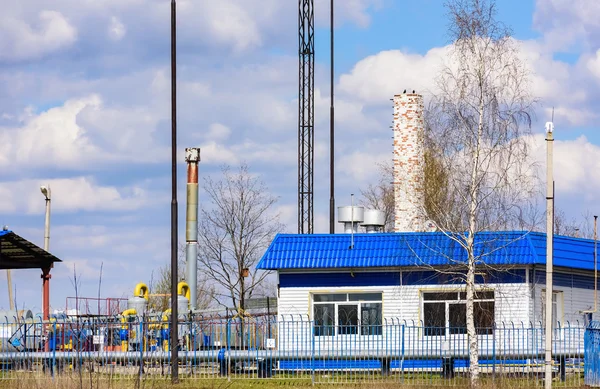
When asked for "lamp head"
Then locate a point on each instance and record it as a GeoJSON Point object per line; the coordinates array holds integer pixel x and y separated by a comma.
{"type": "Point", "coordinates": [549, 127]}
{"type": "Point", "coordinates": [45, 191]}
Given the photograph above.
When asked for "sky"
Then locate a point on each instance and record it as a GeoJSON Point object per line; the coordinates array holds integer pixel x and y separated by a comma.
{"type": "Point", "coordinates": [85, 108]}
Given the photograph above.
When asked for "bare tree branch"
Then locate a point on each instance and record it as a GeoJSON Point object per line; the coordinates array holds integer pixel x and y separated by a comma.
{"type": "Point", "coordinates": [234, 230]}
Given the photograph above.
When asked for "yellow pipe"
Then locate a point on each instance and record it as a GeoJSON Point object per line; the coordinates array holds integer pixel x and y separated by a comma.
{"type": "Point", "coordinates": [124, 326]}
{"type": "Point", "coordinates": [165, 318]}
{"type": "Point", "coordinates": [183, 289]}
{"type": "Point", "coordinates": [141, 290]}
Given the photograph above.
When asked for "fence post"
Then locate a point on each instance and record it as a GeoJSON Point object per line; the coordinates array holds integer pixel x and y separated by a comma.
{"type": "Point", "coordinates": [402, 351]}
{"type": "Point", "coordinates": [53, 351]}
{"type": "Point", "coordinates": [141, 343]}
{"type": "Point", "coordinates": [563, 368]}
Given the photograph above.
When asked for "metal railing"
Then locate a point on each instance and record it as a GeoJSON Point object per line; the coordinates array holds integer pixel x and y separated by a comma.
{"type": "Point", "coordinates": [291, 348]}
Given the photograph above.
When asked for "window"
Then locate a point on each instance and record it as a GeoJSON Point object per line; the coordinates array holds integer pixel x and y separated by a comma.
{"type": "Point", "coordinates": [447, 312]}
{"type": "Point", "coordinates": [557, 308]}
{"type": "Point", "coordinates": [347, 314]}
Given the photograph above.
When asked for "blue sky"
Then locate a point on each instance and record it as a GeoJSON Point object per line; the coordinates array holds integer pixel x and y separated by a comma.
{"type": "Point", "coordinates": [84, 106]}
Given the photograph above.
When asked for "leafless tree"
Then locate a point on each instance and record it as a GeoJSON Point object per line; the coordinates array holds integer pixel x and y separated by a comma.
{"type": "Point", "coordinates": [482, 110]}
{"type": "Point", "coordinates": [380, 196]}
{"type": "Point", "coordinates": [235, 228]}
{"type": "Point", "coordinates": [583, 228]}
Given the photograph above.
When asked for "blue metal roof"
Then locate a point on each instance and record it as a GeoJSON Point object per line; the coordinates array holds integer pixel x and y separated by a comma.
{"type": "Point", "coordinates": [326, 251]}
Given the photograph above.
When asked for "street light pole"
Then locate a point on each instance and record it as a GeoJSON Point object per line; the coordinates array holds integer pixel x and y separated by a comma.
{"type": "Point", "coordinates": [46, 270]}
{"type": "Point", "coordinates": [174, 272]}
{"type": "Point", "coordinates": [549, 252]}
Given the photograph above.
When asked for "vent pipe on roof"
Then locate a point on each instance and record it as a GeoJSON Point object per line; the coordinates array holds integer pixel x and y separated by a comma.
{"type": "Point", "coordinates": [374, 220]}
{"type": "Point", "coordinates": [351, 216]}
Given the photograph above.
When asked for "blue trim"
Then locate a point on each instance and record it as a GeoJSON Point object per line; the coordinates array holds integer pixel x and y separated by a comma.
{"type": "Point", "coordinates": [304, 280]}
{"type": "Point", "coordinates": [392, 278]}
{"type": "Point", "coordinates": [513, 276]}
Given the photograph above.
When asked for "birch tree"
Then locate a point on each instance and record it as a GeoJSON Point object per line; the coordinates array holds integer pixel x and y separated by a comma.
{"type": "Point", "coordinates": [482, 110]}
{"type": "Point", "coordinates": [237, 223]}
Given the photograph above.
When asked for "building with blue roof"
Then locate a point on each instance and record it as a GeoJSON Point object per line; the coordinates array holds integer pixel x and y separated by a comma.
{"type": "Point", "coordinates": [352, 283]}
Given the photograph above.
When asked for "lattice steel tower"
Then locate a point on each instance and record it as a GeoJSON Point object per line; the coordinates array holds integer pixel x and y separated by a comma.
{"type": "Point", "coordinates": [306, 116]}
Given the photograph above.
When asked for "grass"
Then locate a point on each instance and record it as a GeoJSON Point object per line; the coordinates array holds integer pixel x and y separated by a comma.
{"type": "Point", "coordinates": [74, 380]}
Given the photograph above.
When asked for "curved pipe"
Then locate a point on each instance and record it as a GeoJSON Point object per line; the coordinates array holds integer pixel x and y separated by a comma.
{"type": "Point", "coordinates": [183, 289]}
{"type": "Point", "coordinates": [141, 290]}
{"type": "Point", "coordinates": [127, 312]}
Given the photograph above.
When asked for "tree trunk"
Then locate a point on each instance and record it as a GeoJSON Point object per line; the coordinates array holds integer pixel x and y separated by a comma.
{"type": "Point", "coordinates": [471, 265]}
{"type": "Point", "coordinates": [471, 331]}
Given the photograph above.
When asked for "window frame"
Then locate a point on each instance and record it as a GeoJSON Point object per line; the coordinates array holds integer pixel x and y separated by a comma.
{"type": "Point", "coordinates": [364, 301]}
{"type": "Point", "coordinates": [558, 313]}
{"type": "Point", "coordinates": [437, 297]}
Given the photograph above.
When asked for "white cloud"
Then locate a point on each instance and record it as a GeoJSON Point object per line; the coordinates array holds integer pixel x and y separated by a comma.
{"type": "Point", "coordinates": [218, 132]}
{"type": "Point", "coordinates": [214, 153]}
{"type": "Point", "coordinates": [47, 32]}
{"type": "Point", "coordinates": [567, 24]}
{"type": "Point", "coordinates": [74, 195]}
{"type": "Point", "coordinates": [593, 65]}
{"type": "Point", "coordinates": [116, 29]}
{"type": "Point", "coordinates": [576, 165]}
{"type": "Point", "coordinates": [379, 77]}
{"type": "Point", "coordinates": [80, 133]}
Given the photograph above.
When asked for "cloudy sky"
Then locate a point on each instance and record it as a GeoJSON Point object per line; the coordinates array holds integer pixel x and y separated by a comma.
{"type": "Point", "coordinates": [85, 107]}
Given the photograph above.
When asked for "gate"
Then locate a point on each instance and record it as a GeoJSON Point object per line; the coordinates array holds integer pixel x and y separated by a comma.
{"type": "Point", "coordinates": [591, 367]}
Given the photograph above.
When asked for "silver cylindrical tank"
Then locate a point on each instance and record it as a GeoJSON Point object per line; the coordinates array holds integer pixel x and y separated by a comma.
{"type": "Point", "coordinates": [11, 339]}
{"type": "Point", "coordinates": [182, 304]}
{"type": "Point", "coordinates": [351, 216]}
{"type": "Point", "coordinates": [138, 303]}
{"type": "Point", "coordinates": [14, 316]}
{"type": "Point", "coordinates": [374, 220]}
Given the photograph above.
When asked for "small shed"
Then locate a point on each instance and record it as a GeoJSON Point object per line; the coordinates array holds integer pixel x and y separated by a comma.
{"type": "Point", "coordinates": [353, 283]}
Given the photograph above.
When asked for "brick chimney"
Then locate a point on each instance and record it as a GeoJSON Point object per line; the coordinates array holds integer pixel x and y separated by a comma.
{"type": "Point", "coordinates": [409, 174]}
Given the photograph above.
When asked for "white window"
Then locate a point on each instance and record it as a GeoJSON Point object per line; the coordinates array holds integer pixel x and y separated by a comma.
{"type": "Point", "coordinates": [347, 314]}
{"type": "Point", "coordinates": [557, 308]}
{"type": "Point", "coordinates": [446, 312]}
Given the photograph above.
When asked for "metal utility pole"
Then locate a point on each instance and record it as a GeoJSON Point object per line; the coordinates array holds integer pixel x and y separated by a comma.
{"type": "Point", "coordinates": [331, 137]}
{"type": "Point", "coordinates": [192, 157]}
{"type": "Point", "coordinates": [306, 117]}
{"type": "Point", "coordinates": [46, 272]}
{"type": "Point", "coordinates": [174, 313]}
{"type": "Point", "coordinates": [11, 301]}
{"type": "Point", "coordinates": [549, 252]}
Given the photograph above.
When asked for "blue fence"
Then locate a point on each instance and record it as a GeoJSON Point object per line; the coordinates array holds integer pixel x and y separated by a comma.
{"type": "Point", "coordinates": [592, 354]}
{"type": "Point", "coordinates": [291, 348]}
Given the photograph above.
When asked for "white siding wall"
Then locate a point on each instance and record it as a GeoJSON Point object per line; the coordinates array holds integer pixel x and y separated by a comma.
{"type": "Point", "coordinates": [572, 301]}
{"type": "Point", "coordinates": [404, 302]}
{"type": "Point", "coordinates": [401, 304]}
